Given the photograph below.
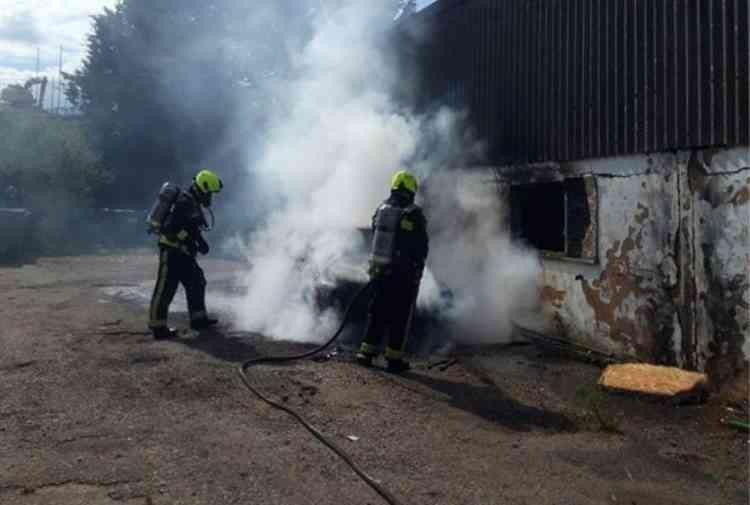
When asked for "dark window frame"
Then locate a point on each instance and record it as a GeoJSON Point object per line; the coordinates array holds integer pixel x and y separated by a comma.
{"type": "Point", "coordinates": [578, 226]}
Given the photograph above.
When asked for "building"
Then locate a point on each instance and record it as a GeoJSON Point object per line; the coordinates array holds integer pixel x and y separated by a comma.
{"type": "Point", "coordinates": [618, 135]}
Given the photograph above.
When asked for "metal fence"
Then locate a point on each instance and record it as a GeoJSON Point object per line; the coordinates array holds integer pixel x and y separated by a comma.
{"type": "Point", "coordinates": [54, 101]}
{"type": "Point", "coordinates": [571, 79]}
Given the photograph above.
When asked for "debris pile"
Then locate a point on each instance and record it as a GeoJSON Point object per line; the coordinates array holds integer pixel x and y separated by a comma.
{"type": "Point", "coordinates": [653, 380]}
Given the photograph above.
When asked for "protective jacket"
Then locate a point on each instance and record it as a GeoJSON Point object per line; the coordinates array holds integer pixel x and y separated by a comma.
{"type": "Point", "coordinates": [400, 242]}
{"type": "Point", "coordinates": [182, 227]}
{"type": "Point", "coordinates": [399, 251]}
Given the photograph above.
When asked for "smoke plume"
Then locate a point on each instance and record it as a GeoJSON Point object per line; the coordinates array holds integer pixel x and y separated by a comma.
{"type": "Point", "coordinates": [333, 144]}
{"type": "Point", "coordinates": [489, 279]}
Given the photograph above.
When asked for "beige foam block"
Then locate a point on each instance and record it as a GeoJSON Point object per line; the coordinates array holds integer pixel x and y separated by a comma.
{"type": "Point", "coordinates": [651, 379]}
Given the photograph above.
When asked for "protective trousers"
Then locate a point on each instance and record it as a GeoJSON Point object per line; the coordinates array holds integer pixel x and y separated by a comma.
{"type": "Point", "coordinates": [176, 267]}
{"type": "Point", "coordinates": [391, 310]}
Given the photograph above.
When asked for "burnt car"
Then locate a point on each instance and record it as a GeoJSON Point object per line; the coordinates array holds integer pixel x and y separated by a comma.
{"type": "Point", "coordinates": [338, 283]}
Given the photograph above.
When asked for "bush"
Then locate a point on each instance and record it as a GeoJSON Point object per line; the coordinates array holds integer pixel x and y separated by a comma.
{"type": "Point", "coordinates": [47, 156]}
{"type": "Point", "coordinates": [54, 172]}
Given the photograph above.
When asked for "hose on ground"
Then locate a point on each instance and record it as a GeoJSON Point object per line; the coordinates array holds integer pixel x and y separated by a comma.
{"type": "Point", "coordinates": [739, 424]}
{"type": "Point", "coordinates": [243, 369]}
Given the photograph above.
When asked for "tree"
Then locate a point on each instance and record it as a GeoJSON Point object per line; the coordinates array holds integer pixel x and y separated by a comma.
{"type": "Point", "coordinates": [170, 86]}
{"type": "Point", "coordinates": [406, 8]}
{"type": "Point", "coordinates": [49, 158]}
{"type": "Point", "coordinates": [52, 169]}
{"type": "Point", "coordinates": [17, 96]}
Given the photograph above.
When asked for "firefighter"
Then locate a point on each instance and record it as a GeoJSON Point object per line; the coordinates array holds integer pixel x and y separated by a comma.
{"type": "Point", "coordinates": [399, 251]}
{"type": "Point", "coordinates": [178, 219]}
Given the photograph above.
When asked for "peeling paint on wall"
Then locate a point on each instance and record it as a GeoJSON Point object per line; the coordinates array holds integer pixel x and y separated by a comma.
{"type": "Point", "coordinates": [671, 283]}
{"type": "Point", "coordinates": [722, 239]}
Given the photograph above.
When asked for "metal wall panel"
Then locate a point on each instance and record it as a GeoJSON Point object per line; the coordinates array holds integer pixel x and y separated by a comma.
{"type": "Point", "coordinates": [571, 79]}
{"type": "Point", "coordinates": [742, 77]}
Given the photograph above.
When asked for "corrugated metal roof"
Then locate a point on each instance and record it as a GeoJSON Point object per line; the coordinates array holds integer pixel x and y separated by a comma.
{"type": "Point", "coordinates": [569, 79]}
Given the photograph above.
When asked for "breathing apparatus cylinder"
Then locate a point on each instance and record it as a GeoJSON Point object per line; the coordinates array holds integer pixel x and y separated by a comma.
{"type": "Point", "coordinates": [384, 239]}
{"type": "Point", "coordinates": [162, 206]}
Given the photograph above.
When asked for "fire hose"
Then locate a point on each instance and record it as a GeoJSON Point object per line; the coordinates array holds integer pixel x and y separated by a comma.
{"type": "Point", "coordinates": [243, 371]}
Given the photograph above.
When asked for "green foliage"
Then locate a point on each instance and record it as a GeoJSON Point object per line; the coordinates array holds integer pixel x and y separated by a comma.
{"type": "Point", "coordinates": [17, 96]}
{"type": "Point", "coordinates": [407, 8]}
{"type": "Point", "coordinates": [173, 85]}
{"type": "Point", "coordinates": [53, 166]}
{"type": "Point", "coordinates": [49, 157]}
{"type": "Point", "coordinates": [597, 408]}
{"type": "Point", "coordinates": [167, 86]}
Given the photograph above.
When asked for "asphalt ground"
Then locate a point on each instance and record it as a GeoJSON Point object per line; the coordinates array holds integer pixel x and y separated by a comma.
{"type": "Point", "coordinates": [94, 411]}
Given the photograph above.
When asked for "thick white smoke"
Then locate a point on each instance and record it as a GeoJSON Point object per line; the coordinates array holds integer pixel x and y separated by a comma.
{"type": "Point", "coordinates": [490, 279]}
{"type": "Point", "coordinates": [328, 160]}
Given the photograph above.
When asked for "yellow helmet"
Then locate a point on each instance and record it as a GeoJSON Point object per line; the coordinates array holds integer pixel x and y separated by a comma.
{"type": "Point", "coordinates": [404, 180]}
{"type": "Point", "coordinates": [208, 182]}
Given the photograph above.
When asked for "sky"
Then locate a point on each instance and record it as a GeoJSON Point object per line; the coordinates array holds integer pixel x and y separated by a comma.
{"type": "Point", "coordinates": [46, 25]}
{"type": "Point", "coordinates": [28, 25]}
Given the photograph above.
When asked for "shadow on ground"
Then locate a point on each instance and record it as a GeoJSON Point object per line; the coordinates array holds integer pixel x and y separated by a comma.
{"type": "Point", "coordinates": [486, 400]}
{"type": "Point", "coordinates": [234, 348]}
{"type": "Point", "coordinates": [238, 347]}
{"type": "Point", "coordinates": [493, 404]}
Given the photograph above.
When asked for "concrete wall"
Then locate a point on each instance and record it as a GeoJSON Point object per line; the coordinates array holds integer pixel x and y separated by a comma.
{"type": "Point", "coordinates": [670, 281]}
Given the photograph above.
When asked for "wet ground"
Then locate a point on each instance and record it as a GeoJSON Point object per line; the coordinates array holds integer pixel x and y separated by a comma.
{"type": "Point", "coordinates": [94, 411]}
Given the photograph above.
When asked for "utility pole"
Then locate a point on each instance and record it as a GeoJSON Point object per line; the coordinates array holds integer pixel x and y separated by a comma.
{"type": "Point", "coordinates": [39, 94]}
{"type": "Point", "coordinates": [59, 81]}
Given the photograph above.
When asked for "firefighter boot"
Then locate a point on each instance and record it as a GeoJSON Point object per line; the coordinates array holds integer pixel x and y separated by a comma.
{"type": "Point", "coordinates": [398, 366]}
{"type": "Point", "coordinates": [364, 359]}
{"type": "Point", "coordinates": [164, 333]}
{"type": "Point", "coordinates": [367, 352]}
{"type": "Point", "coordinates": [203, 323]}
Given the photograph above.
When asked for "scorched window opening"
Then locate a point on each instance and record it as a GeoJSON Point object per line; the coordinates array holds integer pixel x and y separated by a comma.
{"type": "Point", "coordinates": [553, 217]}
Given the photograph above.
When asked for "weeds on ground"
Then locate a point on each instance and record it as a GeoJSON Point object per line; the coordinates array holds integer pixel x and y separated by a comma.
{"type": "Point", "coordinates": [596, 404]}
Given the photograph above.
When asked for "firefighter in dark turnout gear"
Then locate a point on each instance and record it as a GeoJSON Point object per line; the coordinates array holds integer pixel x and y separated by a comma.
{"type": "Point", "coordinates": [179, 225]}
{"type": "Point", "coordinates": [399, 251]}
